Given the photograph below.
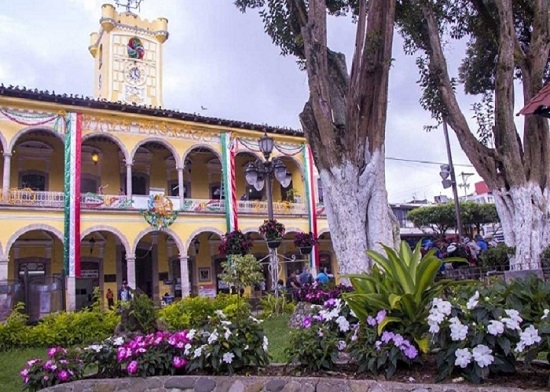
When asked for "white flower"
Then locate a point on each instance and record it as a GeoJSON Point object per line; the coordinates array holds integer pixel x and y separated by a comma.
{"type": "Point", "coordinates": [255, 320]}
{"type": "Point", "coordinates": [343, 324]}
{"type": "Point", "coordinates": [530, 336]}
{"type": "Point", "coordinates": [227, 334]}
{"type": "Point", "coordinates": [352, 313]}
{"type": "Point", "coordinates": [482, 355]}
{"type": "Point", "coordinates": [265, 344]}
{"type": "Point", "coordinates": [434, 327]}
{"type": "Point", "coordinates": [545, 314]}
{"type": "Point", "coordinates": [198, 352]}
{"type": "Point", "coordinates": [442, 306]}
{"type": "Point", "coordinates": [220, 313]}
{"type": "Point", "coordinates": [118, 341]}
{"type": "Point", "coordinates": [191, 334]}
{"type": "Point", "coordinates": [225, 322]}
{"type": "Point", "coordinates": [213, 337]}
{"type": "Point", "coordinates": [96, 347]}
{"type": "Point", "coordinates": [495, 327]}
{"type": "Point", "coordinates": [342, 345]}
{"type": "Point", "coordinates": [458, 330]}
{"type": "Point", "coordinates": [228, 357]}
{"type": "Point", "coordinates": [513, 320]}
{"type": "Point", "coordinates": [472, 302]}
{"type": "Point", "coordinates": [463, 357]}
{"type": "Point", "coordinates": [520, 347]}
{"type": "Point", "coordinates": [187, 349]}
{"type": "Point", "coordinates": [246, 347]}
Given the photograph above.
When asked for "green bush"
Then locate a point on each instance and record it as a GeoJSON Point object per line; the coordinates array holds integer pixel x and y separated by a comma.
{"type": "Point", "coordinates": [193, 312]}
{"type": "Point", "coordinates": [141, 314]}
{"type": "Point", "coordinates": [272, 307]}
{"type": "Point", "coordinates": [498, 256]}
{"type": "Point", "coordinates": [73, 328]}
{"type": "Point", "coordinates": [15, 333]}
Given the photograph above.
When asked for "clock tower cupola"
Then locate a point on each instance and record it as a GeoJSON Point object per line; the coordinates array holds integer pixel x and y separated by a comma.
{"type": "Point", "coordinates": [128, 56]}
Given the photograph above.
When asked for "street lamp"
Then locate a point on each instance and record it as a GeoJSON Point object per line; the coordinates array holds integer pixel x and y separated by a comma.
{"type": "Point", "coordinates": [260, 173]}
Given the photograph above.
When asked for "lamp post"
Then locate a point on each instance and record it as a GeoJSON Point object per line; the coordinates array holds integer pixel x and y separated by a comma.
{"type": "Point", "coordinates": [260, 173]}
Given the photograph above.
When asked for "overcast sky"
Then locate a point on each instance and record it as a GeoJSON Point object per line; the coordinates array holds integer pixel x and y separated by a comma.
{"type": "Point", "coordinates": [221, 59]}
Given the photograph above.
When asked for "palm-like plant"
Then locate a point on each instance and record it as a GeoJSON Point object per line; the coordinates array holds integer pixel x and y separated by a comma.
{"type": "Point", "coordinates": [401, 283]}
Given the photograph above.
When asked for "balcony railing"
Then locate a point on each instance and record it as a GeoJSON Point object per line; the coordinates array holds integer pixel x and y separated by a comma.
{"type": "Point", "coordinates": [28, 197]}
{"type": "Point", "coordinates": [282, 208]}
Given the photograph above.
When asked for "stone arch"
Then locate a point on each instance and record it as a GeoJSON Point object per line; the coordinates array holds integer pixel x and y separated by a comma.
{"type": "Point", "coordinates": [323, 231]}
{"type": "Point", "coordinates": [292, 230]}
{"type": "Point", "coordinates": [23, 131]}
{"type": "Point", "coordinates": [177, 240]}
{"type": "Point", "coordinates": [251, 230]}
{"type": "Point", "coordinates": [4, 143]}
{"type": "Point", "coordinates": [114, 139]}
{"type": "Point", "coordinates": [202, 230]}
{"type": "Point", "coordinates": [159, 140]}
{"type": "Point", "coordinates": [109, 229]}
{"type": "Point", "coordinates": [201, 145]}
{"type": "Point", "coordinates": [33, 227]}
{"type": "Point", "coordinates": [298, 164]}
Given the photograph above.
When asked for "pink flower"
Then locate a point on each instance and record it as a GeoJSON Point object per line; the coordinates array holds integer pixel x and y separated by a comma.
{"type": "Point", "coordinates": [24, 375]}
{"type": "Point", "coordinates": [132, 367]}
{"type": "Point", "coordinates": [63, 375]}
{"type": "Point", "coordinates": [178, 362]}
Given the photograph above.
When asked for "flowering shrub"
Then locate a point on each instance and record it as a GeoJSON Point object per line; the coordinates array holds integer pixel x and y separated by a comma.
{"type": "Point", "coordinates": [60, 367]}
{"type": "Point", "coordinates": [380, 353]}
{"type": "Point", "coordinates": [224, 345]}
{"type": "Point", "coordinates": [322, 337]}
{"type": "Point", "coordinates": [319, 294]}
{"type": "Point", "coordinates": [272, 230]}
{"type": "Point", "coordinates": [235, 243]}
{"type": "Point", "coordinates": [158, 353]}
{"type": "Point", "coordinates": [304, 240]}
{"type": "Point", "coordinates": [104, 356]}
{"type": "Point", "coordinates": [478, 337]}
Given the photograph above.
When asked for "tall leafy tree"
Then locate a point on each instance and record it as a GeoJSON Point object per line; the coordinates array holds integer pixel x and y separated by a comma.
{"type": "Point", "coordinates": [344, 118]}
{"type": "Point", "coordinates": [507, 45]}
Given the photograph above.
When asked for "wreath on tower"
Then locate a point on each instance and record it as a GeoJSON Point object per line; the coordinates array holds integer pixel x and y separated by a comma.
{"type": "Point", "coordinates": [135, 48]}
{"type": "Point", "coordinates": [160, 212]}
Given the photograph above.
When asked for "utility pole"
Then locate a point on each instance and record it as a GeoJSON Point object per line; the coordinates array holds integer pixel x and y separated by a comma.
{"type": "Point", "coordinates": [446, 171]}
{"type": "Point", "coordinates": [464, 184]}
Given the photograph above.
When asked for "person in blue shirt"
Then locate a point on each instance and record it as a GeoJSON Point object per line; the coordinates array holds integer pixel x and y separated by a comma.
{"type": "Point", "coordinates": [322, 277]}
{"type": "Point", "coordinates": [481, 243]}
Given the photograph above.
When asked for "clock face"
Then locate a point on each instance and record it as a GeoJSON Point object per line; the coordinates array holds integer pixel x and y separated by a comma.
{"type": "Point", "coordinates": [135, 74]}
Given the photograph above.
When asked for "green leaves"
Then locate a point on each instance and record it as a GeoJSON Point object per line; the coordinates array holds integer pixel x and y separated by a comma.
{"type": "Point", "coordinates": [402, 283]}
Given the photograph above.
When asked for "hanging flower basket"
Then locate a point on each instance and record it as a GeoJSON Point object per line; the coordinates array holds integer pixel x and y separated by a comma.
{"type": "Point", "coordinates": [272, 231]}
{"type": "Point", "coordinates": [235, 243]}
{"type": "Point", "coordinates": [305, 241]}
{"type": "Point", "coordinates": [273, 244]}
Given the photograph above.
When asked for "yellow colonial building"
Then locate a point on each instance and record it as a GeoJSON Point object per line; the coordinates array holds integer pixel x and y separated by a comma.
{"type": "Point", "coordinates": [100, 190]}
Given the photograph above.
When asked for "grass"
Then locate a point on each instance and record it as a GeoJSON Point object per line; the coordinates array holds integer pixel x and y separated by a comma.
{"type": "Point", "coordinates": [12, 362]}
{"type": "Point", "coordinates": [277, 331]}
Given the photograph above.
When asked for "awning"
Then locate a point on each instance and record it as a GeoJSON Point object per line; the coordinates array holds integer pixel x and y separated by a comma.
{"type": "Point", "coordinates": [539, 104]}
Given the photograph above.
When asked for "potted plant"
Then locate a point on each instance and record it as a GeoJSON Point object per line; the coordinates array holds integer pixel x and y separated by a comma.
{"type": "Point", "coordinates": [235, 243]}
{"type": "Point", "coordinates": [305, 241]}
{"type": "Point", "coordinates": [273, 232]}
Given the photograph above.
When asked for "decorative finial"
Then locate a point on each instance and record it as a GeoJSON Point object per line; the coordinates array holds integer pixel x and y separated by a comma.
{"type": "Point", "coordinates": [129, 4]}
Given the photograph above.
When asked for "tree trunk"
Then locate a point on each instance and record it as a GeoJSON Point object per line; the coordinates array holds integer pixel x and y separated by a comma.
{"type": "Point", "coordinates": [358, 212]}
{"type": "Point", "coordinates": [524, 214]}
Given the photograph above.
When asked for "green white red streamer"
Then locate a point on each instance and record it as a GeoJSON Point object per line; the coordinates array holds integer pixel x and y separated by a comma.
{"type": "Point", "coordinates": [71, 243]}
{"type": "Point", "coordinates": [229, 146]}
{"type": "Point", "coordinates": [311, 204]}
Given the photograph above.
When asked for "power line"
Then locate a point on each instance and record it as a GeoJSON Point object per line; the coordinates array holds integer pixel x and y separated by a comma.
{"type": "Point", "coordinates": [426, 162]}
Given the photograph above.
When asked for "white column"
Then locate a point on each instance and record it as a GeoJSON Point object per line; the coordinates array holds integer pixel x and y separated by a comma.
{"type": "Point", "coordinates": [180, 185]}
{"type": "Point", "coordinates": [70, 293]}
{"type": "Point", "coordinates": [131, 271]}
{"type": "Point", "coordinates": [6, 177]}
{"type": "Point", "coordinates": [184, 271]}
{"type": "Point", "coordinates": [129, 183]}
{"type": "Point", "coordinates": [4, 268]}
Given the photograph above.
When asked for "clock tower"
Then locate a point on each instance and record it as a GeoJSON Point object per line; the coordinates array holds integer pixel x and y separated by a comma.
{"type": "Point", "coordinates": [128, 57]}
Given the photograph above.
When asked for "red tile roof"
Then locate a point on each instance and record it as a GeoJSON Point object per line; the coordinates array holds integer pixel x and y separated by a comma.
{"type": "Point", "coordinates": [539, 104]}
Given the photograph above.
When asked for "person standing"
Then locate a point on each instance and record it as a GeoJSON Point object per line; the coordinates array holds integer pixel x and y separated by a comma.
{"type": "Point", "coordinates": [110, 299]}
{"type": "Point", "coordinates": [322, 277]}
{"type": "Point", "coordinates": [125, 293]}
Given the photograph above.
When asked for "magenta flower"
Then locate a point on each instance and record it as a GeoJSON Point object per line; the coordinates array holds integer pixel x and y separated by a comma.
{"type": "Point", "coordinates": [307, 322]}
{"type": "Point", "coordinates": [178, 362]}
{"type": "Point", "coordinates": [50, 365]}
{"type": "Point", "coordinates": [132, 367]}
{"type": "Point", "coordinates": [63, 375]}
{"type": "Point", "coordinates": [24, 374]}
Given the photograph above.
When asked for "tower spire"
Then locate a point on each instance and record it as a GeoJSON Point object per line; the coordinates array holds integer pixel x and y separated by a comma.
{"type": "Point", "coordinates": [129, 4]}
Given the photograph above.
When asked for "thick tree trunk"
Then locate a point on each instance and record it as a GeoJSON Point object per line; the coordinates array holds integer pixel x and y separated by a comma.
{"type": "Point", "coordinates": [358, 213]}
{"type": "Point", "coordinates": [524, 213]}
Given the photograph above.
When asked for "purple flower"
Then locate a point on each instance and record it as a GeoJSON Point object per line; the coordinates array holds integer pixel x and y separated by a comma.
{"type": "Point", "coordinates": [387, 337]}
{"type": "Point", "coordinates": [318, 318]}
{"type": "Point", "coordinates": [380, 316]}
{"type": "Point", "coordinates": [378, 345]}
{"type": "Point", "coordinates": [399, 341]}
{"type": "Point", "coordinates": [329, 303]}
{"type": "Point", "coordinates": [50, 365]}
{"type": "Point", "coordinates": [371, 321]}
{"type": "Point", "coordinates": [178, 362]}
{"type": "Point", "coordinates": [24, 374]}
{"type": "Point", "coordinates": [411, 352]}
{"type": "Point", "coordinates": [54, 350]}
{"type": "Point", "coordinates": [307, 322]}
{"type": "Point", "coordinates": [132, 367]}
{"type": "Point", "coordinates": [63, 375]}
